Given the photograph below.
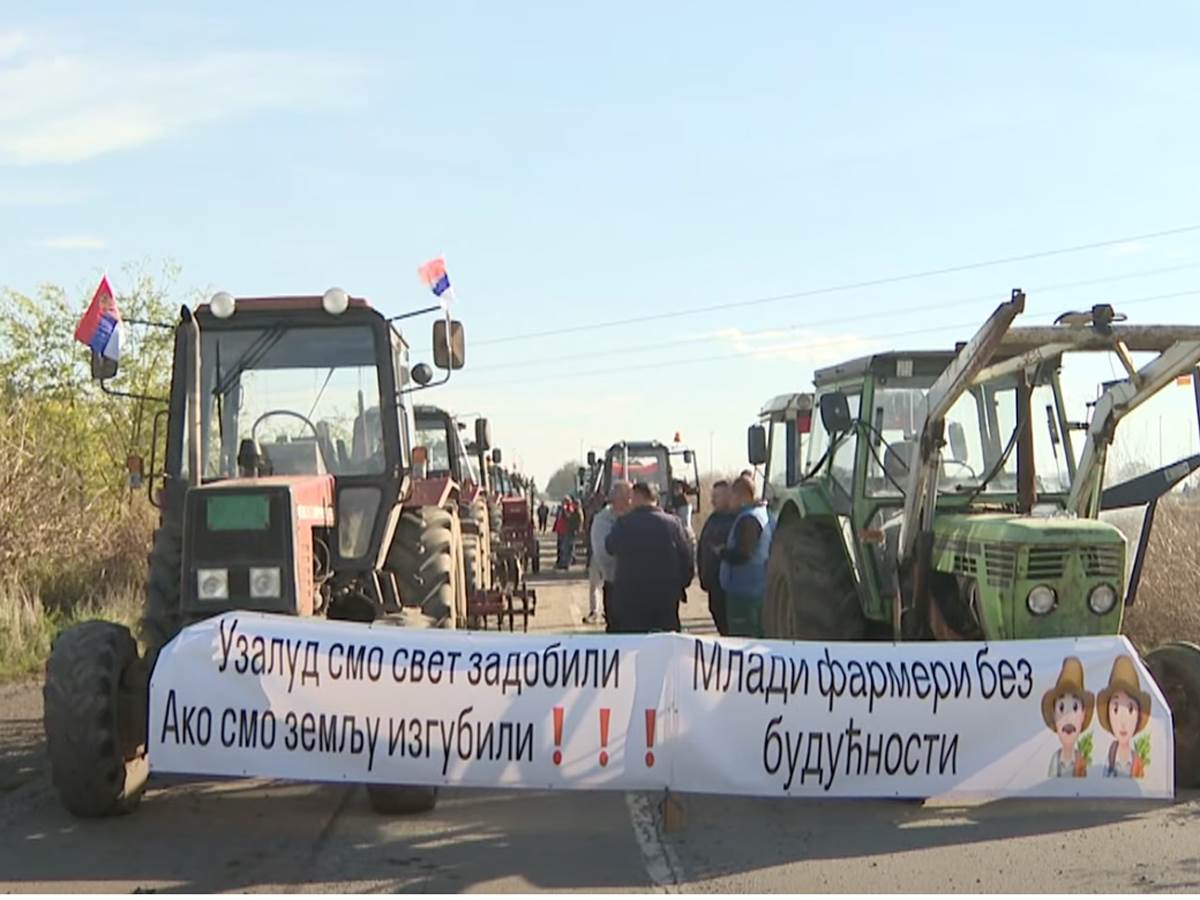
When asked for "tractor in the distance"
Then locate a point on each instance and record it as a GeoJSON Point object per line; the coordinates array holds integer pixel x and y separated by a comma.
{"type": "Point", "coordinates": [942, 496]}
{"type": "Point", "coordinates": [441, 454]}
{"type": "Point", "coordinates": [665, 468]}
{"type": "Point", "coordinates": [288, 487]}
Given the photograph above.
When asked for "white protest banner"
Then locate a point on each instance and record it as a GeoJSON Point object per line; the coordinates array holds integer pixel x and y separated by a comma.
{"type": "Point", "coordinates": [272, 696]}
{"type": "Point", "coordinates": [1058, 717]}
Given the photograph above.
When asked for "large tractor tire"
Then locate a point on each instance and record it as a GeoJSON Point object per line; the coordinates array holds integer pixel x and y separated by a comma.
{"type": "Point", "coordinates": [477, 551]}
{"type": "Point", "coordinates": [95, 719]}
{"type": "Point", "coordinates": [428, 557]}
{"type": "Point", "coordinates": [1176, 668]}
{"type": "Point", "coordinates": [161, 617]}
{"type": "Point", "coordinates": [811, 594]}
{"type": "Point", "coordinates": [423, 556]}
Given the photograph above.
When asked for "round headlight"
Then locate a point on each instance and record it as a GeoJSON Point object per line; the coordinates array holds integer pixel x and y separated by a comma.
{"type": "Point", "coordinates": [335, 301]}
{"type": "Point", "coordinates": [222, 304]}
{"type": "Point", "coordinates": [1041, 600]}
{"type": "Point", "coordinates": [1102, 599]}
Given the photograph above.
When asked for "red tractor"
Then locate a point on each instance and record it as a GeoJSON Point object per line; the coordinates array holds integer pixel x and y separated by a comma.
{"type": "Point", "coordinates": [287, 487]}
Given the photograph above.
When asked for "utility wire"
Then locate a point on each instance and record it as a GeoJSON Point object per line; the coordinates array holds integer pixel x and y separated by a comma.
{"type": "Point", "coordinates": [841, 288]}
{"type": "Point", "coordinates": [931, 307]}
{"type": "Point", "coordinates": [810, 345]}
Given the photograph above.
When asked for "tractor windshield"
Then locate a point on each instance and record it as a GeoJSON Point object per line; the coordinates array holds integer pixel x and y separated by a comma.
{"type": "Point", "coordinates": [980, 452]}
{"type": "Point", "coordinates": [307, 396]}
{"type": "Point", "coordinates": [649, 465]}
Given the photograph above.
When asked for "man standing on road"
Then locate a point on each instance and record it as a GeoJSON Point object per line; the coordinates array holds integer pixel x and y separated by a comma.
{"type": "Point", "coordinates": [744, 562]}
{"type": "Point", "coordinates": [655, 564]}
{"type": "Point", "coordinates": [602, 569]}
{"type": "Point", "coordinates": [574, 527]}
{"type": "Point", "coordinates": [713, 537]}
{"type": "Point", "coordinates": [543, 514]}
{"type": "Point", "coordinates": [560, 532]}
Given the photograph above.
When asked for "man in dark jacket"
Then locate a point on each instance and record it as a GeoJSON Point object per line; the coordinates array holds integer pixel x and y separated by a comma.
{"type": "Point", "coordinates": [655, 564]}
{"type": "Point", "coordinates": [713, 537]}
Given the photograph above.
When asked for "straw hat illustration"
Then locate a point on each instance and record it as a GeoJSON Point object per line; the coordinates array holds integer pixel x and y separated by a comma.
{"type": "Point", "coordinates": [1124, 678]}
{"type": "Point", "coordinates": [1070, 681]}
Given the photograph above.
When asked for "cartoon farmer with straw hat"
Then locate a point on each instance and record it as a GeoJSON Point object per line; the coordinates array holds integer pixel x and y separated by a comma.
{"type": "Point", "coordinates": [1125, 711]}
{"type": "Point", "coordinates": [1067, 711]}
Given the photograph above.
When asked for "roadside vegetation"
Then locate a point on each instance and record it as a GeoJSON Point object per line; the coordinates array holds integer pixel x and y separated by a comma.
{"type": "Point", "coordinates": [73, 533]}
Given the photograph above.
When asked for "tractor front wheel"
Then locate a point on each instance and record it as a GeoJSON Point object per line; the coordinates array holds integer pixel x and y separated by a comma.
{"type": "Point", "coordinates": [1176, 668]}
{"type": "Point", "coordinates": [95, 719]}
{"type": "Point", "coordinates": [811, 595]}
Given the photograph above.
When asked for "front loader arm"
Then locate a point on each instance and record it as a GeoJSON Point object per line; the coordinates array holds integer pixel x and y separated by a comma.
{"type": "Point", "coordinates": [921, 492]}
{"type": "Point", "coordinates": [1117, 402]}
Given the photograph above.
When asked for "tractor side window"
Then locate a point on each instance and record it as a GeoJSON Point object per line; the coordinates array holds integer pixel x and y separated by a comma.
{"type": "Point", "coordinates": [847, 445]}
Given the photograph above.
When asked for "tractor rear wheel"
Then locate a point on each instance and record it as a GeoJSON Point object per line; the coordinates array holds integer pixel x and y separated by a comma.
{"type": "Point", "coordinates": [95, 719]}
{"type": "Point", "coordinates": [428, 555]}
{"type": "Point", "coordinates": [423, 557]}
{"type": "Point", "coordinates": [160, 618]}
{"type": "Point", "coordinates": [1176, 668]}
{"type": "Point", "coordinates": [811, 594]}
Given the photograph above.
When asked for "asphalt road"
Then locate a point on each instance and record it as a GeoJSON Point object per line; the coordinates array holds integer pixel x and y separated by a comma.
{"type": "Point", "coordinates": [271, 836]}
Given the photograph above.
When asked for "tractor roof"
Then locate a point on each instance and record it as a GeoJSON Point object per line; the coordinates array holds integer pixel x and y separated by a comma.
{"type": "Point", "coordinates": [285, 304]}
{"type": "Point", "coordinates": [786, 403]}
{"type": "Point", "coordinates": [923, 362]}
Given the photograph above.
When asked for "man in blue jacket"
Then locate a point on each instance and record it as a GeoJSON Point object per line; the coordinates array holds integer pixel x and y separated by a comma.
{"type": "Point", "coordinates": [655, 564]}
{"type": "Point", "coordinates": [744, 562]}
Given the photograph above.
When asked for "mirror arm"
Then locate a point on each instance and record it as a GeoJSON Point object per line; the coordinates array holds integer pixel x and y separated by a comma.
{"type": "Point", "coordinates": [103, 382]}
{"type": "Point", "coordinates": [415, 312]}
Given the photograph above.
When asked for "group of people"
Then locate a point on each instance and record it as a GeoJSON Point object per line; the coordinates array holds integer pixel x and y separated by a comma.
{"type": "Point", "coordinates": [568, 523]}
{"type": "Point", "coordinates": [643, 559]}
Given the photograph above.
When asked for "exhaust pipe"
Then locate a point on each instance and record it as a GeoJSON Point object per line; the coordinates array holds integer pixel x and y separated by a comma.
{"type": "Point", "coordinates": [195, 451]}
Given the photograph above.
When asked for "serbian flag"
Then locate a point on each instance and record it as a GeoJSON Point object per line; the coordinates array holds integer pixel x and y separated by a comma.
{"type": "Point", "coordinates": [100, 327]}
{"type": "Point", "coordinates": [433, 273]}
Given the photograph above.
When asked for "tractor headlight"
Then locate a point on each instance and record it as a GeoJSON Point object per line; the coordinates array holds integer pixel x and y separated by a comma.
{"type": "Point", "coordinates": [1102, 599]}
{"type": "Point", "coordinates": [264, 583]}
{"type": "Point", "coordinates": [212, 584]}
{"type": "Point", "coordinates": [1041, 600]}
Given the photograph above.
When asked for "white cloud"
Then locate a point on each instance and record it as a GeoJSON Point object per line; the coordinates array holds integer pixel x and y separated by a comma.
{"type": "Point", "coordinates": [64, 105]}
{"type": "Point", "coordinates": [72, 242]}
{"type": "Point", "coordinates": [800, 345]}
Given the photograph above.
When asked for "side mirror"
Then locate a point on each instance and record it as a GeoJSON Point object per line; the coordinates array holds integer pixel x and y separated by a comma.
{"type": "Point", "coordinates": [687, 457]}
{"type": "Point", "coordinates": [835, 413]}
{"type": "Point", "coordinates": [103, 368]}
{"type": "Point", "coordinates": [422, 374]}
{"type": "Point", "coordinates": [496, 456]}
{"type": "Point", "coordinates": [591, 458]}
{"type": "Point", "coordinates": [449, 344]}
{"type": "Point", "coordinates": [483, 435]}
{"type": "Point", "coordinates": [958, 441]}
{"type": "Point", "coordinates": [756, 445]}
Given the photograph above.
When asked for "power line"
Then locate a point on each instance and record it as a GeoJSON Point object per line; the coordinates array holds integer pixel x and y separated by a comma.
{"type": "Point", "coordinates": [931, 307]}
{"type": "Point", "coordinates": [810, 345]}
{"type": "Point", "coordinates": [840, 288]}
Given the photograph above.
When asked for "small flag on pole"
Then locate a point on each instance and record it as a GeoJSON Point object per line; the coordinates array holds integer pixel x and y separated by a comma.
{"type": "Point", "coordinates": [433, 273]}
{"type": "Point", "coordinates": [100, 327]}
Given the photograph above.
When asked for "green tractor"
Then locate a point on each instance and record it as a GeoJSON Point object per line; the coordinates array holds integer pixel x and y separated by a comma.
{"type": "Point", "coordinates": [283, 490]}
{"type": "Point", "coordinates": [939, 495]}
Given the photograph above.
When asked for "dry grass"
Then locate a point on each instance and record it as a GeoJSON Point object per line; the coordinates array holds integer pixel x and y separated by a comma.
{"type": "Point", "coordinates": [1168, 601]}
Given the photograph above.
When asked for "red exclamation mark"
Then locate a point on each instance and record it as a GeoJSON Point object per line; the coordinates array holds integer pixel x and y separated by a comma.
{"type": "Point", "coordinates": [604, 716]}
{"type": "Point", "coordinates": [650, 715]}
{"type": "Point", "coordinates": [558, 722]}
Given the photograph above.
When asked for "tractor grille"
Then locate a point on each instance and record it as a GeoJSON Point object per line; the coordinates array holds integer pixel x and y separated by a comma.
{"type": "Point", "coordinates": [964, 557]}
{"type": "Point", "coordinates": [1001, 562]}
{"type": "Point", "coordinates": [1104, 561]}
{"type": "Point", "coordinates": [1046, 563]}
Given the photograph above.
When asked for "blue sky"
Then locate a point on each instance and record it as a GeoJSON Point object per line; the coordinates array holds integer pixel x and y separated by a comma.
{"type": "Point", "coordinates": [579, 165]}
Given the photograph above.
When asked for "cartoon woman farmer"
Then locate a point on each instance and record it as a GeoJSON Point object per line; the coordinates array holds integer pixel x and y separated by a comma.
{"type": "Point", "coordinates": [1067, 711]}
{"type": "Point", "coordinates": [1124, 711]}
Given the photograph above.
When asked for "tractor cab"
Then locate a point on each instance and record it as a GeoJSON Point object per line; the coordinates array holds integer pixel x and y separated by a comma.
{"type": "Point", "coordinates": [665, 468]}
{"type": "Point", "coordinates": [777, 442]}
